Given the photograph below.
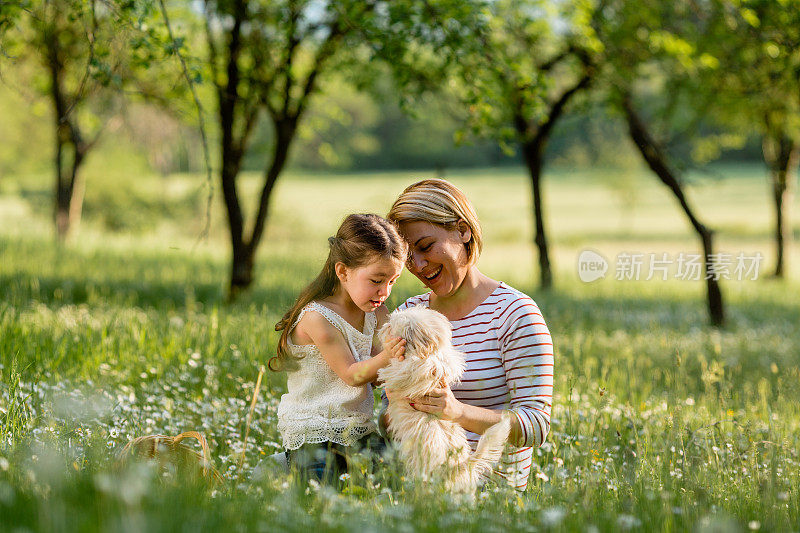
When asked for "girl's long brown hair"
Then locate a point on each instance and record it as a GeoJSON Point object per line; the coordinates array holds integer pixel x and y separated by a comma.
{"type": "Point", "coordinates": [360, 240]}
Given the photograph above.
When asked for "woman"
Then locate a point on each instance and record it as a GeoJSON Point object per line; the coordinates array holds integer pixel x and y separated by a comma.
{"type": "Point", "coordinates": [501, 331]}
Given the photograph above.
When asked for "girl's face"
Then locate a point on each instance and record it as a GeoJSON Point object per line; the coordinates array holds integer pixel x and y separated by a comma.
{"type": "Point", "coordinates": [369, 285]}
{"type": "Point", "coordinates": [438, 255]}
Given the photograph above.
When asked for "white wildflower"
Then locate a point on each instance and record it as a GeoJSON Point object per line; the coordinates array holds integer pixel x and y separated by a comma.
{"type": "Point", "coordinates": [553, 516]}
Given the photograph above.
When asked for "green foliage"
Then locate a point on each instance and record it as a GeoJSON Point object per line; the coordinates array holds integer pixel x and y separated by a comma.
{"type": "Point", "coordinates": [428, 43]}
{"type": "Point", "coordinates": [652, 52]}
{"type": "Point", "coordinates": [290, 46]}
{"type": "Point", "coordinates": [758, 78]}
{"type": "Point", "coordinates": [735, 61]}
{"type": "Point", "coordinates": [10, 12]}
{"type": "Point", "coordinates": [503, 62]}
{"type": "Point", "coordinates": [89, 43]}
{"type": "Point", "coordinates": [708, 75]}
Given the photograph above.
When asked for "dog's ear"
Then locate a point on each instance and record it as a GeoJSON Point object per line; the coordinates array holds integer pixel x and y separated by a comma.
{"type": "Point", "coordinates": [425, 330]}
{"type": "Point", "coordinates": [455, 366]}
{"type": "Point", "coordinates": [449, 362]}
{"type": "Point", "coordinates": [413, 377]}
{"type": "Point", "coordinates": [398, 325]}
{"type": "Point", "coordinates": [421, 341]}
{"type": "Point", "coordinates": [450, 365]}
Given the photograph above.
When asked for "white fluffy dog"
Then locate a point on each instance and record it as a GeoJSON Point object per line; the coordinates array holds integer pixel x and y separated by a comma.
{"type": "Point", "coordinates": [430, 447]}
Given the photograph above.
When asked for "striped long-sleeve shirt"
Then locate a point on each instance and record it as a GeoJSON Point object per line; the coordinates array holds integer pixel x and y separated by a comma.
{"type": "Point", "coordinates": [509, 356]}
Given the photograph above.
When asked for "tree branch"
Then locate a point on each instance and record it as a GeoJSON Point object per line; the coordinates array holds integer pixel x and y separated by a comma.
{"type": "Point", "coordinates": [326, 50]}
{"type": "Point", "coordinates": [212, 47]}
{"type": "Point", "coordinates": [557, 108]}
{"type": "Point", "coordinates": [250, 115]}
{"type": "Point", "coordinates": [90, 35]}
{"type": "Point", "coordinates": [285, 66]}
{"type": "Point", "coordinates": [656, 158]}
{"type": "Point", "coordinates": [551, 63]}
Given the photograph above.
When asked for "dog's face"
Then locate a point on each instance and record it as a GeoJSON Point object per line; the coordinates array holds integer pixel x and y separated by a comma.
{"type": "Point", "coordinates": [430, 359]}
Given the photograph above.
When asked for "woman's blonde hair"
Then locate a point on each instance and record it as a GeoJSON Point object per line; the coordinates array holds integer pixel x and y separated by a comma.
{"type": "Point", "coordinates": [360, 240]}
{"type": "Point", "coordinates": [439, 202]}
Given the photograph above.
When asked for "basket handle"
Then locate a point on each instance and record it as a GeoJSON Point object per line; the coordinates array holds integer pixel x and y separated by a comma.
{"type": "Point", "coordinates": [203, 444]}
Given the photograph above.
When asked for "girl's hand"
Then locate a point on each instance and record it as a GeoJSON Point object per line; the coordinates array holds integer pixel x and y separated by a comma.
{"type": "Point", "coordinates": [396, 348]}
{"type": "Point", "coordinates": [440, 403]}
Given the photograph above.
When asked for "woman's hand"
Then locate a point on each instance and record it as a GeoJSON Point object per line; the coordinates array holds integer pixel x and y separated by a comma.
{"type": "Point", "coordinates": [441, 403]}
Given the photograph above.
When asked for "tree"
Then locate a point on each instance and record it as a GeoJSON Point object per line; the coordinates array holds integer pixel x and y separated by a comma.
{"type": "Point", "coordinates": [514, 67]}
{"type": "Point", "coordinates": [758, 88]}
{"type": "Point", "coordinates": [60, 43]}
{"type": "Point", "coordinates": [79, 46]}
{"type": "Point", "coordinates": [646, 52]}
{"type": "Point", "coordinates": [267, 58]}
{"type": "Point", "coordinates": [528, 72]}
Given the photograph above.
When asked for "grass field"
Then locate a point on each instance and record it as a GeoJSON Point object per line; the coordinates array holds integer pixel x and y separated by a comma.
{"type": "Point", "coordinates": [659, 422]}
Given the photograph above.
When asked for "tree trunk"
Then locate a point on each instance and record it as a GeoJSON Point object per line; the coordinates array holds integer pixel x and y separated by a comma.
{"type": "Point", "coordinates": [70, 148]}
{"type": "Point", "coordinates": [656, 159]}
{"type": "Point", "coordinates": [76, 205]}
{"type": "Point", "coordinates": [63, 191]}
{"type": "Point", "coordinates": [61, 217]}
{"type": "Point", "coordinates": [241, 261]}
{"type": "Point", "coordinates": [231, 152]}
{"type": "Point", "coordinates": [235, 133]}
{"type": "Point", "coordinates": [285, 130]}
{"type": "Point", "coordinates": [781, 155]}
{"type": "Point", "coordinates": [533, 152]}
{"type": "Point", "coordinates": [69, 188]}
{"type": "Point", "coordinates": [241, 269]}
{"type": "Point", "coordinates": [244, 260]}
{"type": "Point", "coordinates": [533, 139]}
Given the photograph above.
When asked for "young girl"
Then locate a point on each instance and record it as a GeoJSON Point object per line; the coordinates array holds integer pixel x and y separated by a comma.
{"type": "Point", "coordinates": [326, 347]}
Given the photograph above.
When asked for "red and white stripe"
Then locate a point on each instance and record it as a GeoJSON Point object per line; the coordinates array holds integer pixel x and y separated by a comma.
{"type": "Point", "coordinates": [509, 356]}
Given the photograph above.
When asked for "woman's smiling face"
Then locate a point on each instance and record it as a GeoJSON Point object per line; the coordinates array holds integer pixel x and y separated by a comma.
{"type": "Point", "coordinates": [437, 255]}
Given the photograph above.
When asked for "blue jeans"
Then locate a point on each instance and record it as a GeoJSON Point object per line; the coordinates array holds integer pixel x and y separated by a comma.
{"type": "Point", "coordinates": [327, 461]}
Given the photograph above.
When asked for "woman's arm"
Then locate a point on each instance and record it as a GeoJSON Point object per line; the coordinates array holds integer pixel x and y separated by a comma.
{"type": "Point", "coordinates": [527, 352]}
{"type": "Point", "coordinates": [528, 361]}
{"type": "Point", "coordinates": [443, 404]}
{"type": "Point", "coordinates": [337, 354]}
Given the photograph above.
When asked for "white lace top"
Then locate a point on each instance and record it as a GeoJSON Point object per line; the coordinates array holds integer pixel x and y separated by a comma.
{"type": "Point", "coordinates": [319, 406]}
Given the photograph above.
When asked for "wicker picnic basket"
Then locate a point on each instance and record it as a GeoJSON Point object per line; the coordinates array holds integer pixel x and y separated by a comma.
{"type": "Point", "coordinates": [185, 459]}
{"type": "Point", "coordinates": [168, 450]}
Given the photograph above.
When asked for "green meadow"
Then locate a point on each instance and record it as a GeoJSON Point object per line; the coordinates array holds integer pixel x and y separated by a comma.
{"type": "Point", "coordinates": [659, 421]}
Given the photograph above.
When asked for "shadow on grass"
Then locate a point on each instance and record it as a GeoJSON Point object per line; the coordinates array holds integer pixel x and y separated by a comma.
{"type": "Point", "coordinates": [106, 278]}
{"type": "Point", "coordinates": [562, 310]}
{"type": "Point", "coordinates": [677, 312]}
{"type": "Point", "coordinates": [22, 289]}
{"type": "Point", "coordinates": [38, 272]}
